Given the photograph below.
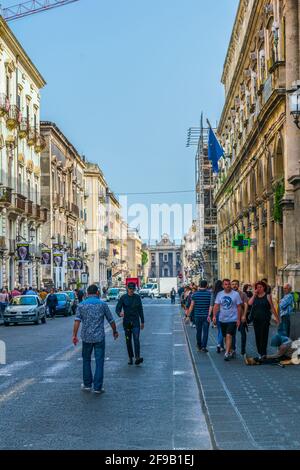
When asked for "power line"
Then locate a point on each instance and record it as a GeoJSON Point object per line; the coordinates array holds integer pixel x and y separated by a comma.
{"type": "Point", "coordinates": [156, 192]}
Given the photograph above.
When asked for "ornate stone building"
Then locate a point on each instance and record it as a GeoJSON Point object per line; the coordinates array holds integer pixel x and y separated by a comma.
{"type": "Point", "coordinates": [21, 215]}
{"type": "Point", "coordinates": [62, 193]}
{"type": "Point", "coordinates": [95, 204]}
{"type": "Point", "coordinates": [165, 259]}
{"type": "Point", "coordinates": [258, 188]}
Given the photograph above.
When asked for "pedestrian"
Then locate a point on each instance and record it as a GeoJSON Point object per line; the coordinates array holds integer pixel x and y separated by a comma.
{"type": "Point", "coordinates": [15, 292]}
{"type": "Point", "coordinates": [43, 294]}
{"type": "Point", "coordinates": [262, 309]}
{"type": "Point", "coordinates": [80, 295]}
{"type": "Point", "coordinates": [286, 351]}
{"type": "Point", "coordinates": [4, 300]}
{"type": "Point", "coordinates": [25, 290]}
{"type": "Point", "coordinates": [228, 302]}
{"type": "Point", "coordinates": [286, 308]}
{"type": "Point", "coordinates": [130, 308]}
{"type": "Point", "coordinates": [201, 304]}
{"type": "Point", "coordinates": [269, 288]}
{"type": "Point", "coordinates": [51, 303]}
{"type": "Point", "coordinates": [188, 302]}
{"type": "Point", "coordinates": [217, 288]}
{"type": "Point", "coordinates": [173, 295]}
{"type": "Point", "coordinates": [90, 314]}
{"type": "Point", "coordinates": [243, 328]}
{"type": "Point", "coordinates": [30, 291]}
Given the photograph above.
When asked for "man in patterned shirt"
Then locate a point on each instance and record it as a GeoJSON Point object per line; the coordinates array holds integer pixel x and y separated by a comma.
{"type": "Point", "coordinates": [90, 313]}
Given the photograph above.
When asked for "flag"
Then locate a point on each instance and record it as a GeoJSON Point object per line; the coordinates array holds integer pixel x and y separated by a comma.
{"type": "Point", "coordinates": [215, 151]}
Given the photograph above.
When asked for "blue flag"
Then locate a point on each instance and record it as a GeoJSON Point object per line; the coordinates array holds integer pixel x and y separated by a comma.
{"type": "Point", "coordinates": [215, 151]}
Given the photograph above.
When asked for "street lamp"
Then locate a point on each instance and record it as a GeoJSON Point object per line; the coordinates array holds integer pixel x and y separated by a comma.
{"type": "Point", "coordinates": [294, 99]}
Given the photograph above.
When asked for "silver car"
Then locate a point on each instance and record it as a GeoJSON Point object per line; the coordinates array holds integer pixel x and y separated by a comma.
{"type": "Point", "coordinates": [25, 309]}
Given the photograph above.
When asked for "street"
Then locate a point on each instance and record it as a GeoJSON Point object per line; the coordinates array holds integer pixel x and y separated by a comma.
{"type": "Point", "coordinates": [152, 406]}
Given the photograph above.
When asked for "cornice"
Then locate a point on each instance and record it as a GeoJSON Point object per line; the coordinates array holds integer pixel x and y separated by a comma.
{"type": "Point", "coordinates": [14, 45]}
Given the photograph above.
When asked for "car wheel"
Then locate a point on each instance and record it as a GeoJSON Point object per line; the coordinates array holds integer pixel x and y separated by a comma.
{"type": "Point", "coordinates": [6, 323]}
{"type": "Point", "coordinates": [43, 320]}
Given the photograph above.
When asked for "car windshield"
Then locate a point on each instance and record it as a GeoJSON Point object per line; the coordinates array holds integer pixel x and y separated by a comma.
{"type": "Point", "coordinates": [148, 286]}
{"type": "Point", "coordinates": [71, 295]}
{"type": "Point", "coordinates": [24, 300]}
{"type": "Point", "coordinates": [61, 297]}
{"type": "Point", "coordinates": [113, 291]}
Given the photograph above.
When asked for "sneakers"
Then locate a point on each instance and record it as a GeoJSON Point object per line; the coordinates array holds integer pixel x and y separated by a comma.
{"type": "Point", "coordinates": [193, 325]}
{"type": "Point", "coordinates": [138, 361]}
{"type": "Point", "coordinates": [226, 357]}
{"type": "Point", "coordinates": [232, 354]}
{"type": "Point", "coordinates": [218, 349]}
{"type": "Point", "coordinates": [99, 392]}
{"type": "Point", "coordinates": [85, 389]}
{"type": "Point", "coordinates": [204, 350]}
{"type": "Point", "coordinates": [130, 362]}
{"type": "Point", "coordinates": [199, 349]}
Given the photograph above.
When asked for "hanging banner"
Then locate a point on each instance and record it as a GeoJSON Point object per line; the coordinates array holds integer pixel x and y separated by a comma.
{"type": "Point", "coordinates": [23, 252]}
{"type": "Point", "coordinates": [79, 264]}
{"type": "Point", "coordinates": [58, 260]}
{"type": "Point", "coordinates": [46, 257]}
{"type": "Point", "coordinates": [72, 263]}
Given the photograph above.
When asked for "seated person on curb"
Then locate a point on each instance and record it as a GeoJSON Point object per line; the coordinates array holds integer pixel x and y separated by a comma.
{"type": "Point", "coordinates": [287, 353]}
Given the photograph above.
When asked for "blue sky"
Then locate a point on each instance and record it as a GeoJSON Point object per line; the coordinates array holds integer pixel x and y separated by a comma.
{"type": "Point", "coordinates": [125, 80]}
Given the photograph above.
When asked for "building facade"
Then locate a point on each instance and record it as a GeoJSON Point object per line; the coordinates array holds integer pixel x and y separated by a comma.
{"type": "Point", "coordinates": [191, 265]}
{"type": "Point", "coordinates": [165, 259]}
{"type": "Point", "coordinates": [21, 215]}
{"type": "Point", "coordinates": [258, 188]}
{"type": "Point", "coordinates": [95, 209]}
{"type": "Point", "coordinates": [113, 230]}
{"type": "Point", "coordinates": [134, 254]}
{"type": "Point", "coordinates": [62, 193]}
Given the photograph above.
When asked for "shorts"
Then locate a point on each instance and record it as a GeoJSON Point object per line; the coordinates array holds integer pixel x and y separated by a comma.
{"type": "Point", "coordinates": [228, 329]}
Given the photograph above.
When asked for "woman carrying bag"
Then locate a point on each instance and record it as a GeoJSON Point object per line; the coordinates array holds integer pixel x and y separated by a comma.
{"type": "Point", "coordinates": [261, 312]}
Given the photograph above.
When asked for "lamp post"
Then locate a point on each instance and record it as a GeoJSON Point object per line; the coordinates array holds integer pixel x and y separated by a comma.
{"type": "Point", "coordinates": [294, 102]}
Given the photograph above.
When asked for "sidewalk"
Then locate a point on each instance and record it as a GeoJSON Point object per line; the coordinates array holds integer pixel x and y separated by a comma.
{"type": "Point", "coordinates": [248, 407]}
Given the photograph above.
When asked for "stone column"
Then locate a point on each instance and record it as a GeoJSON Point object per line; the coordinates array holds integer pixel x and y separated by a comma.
{"type": "Point", "coordinates": [260, 246]}
{"type": "Point", "coordinates": [296, 183]}
{"type": "Point", "coordinates": [253, 251]}
{"type": "Point", "coordinates": [292, 137]}
{"type": "Point", "coordinates": [270, 235]}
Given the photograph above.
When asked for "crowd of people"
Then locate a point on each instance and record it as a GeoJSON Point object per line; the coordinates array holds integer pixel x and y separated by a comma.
{"type": "Point", "coordinates": [232, 309]}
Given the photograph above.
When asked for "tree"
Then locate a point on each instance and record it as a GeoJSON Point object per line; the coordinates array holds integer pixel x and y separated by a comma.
{"type": "Point", "coordinates": [144, 258]}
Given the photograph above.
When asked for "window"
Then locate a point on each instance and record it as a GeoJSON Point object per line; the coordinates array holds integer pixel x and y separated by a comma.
{"type": "Point", "coordinates": [28, 190]}
{"type": "Point", "coordinates": [7, 86]}
{"type": "Point", "coordinates": [165, 257]}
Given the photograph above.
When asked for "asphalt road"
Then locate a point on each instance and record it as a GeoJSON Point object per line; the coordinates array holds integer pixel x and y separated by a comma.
{"type": "Point", "coordinates": [152, 406]}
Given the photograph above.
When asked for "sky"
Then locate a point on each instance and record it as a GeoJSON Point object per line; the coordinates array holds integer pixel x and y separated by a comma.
{"type": "Point", "coordinates": [126, 79]}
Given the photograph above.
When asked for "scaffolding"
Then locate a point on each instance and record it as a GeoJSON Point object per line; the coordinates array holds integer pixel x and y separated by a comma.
{"type": "Point", "coordinates": [206, 210]}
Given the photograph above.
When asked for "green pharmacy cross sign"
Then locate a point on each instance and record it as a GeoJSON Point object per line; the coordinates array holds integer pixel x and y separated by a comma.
{"type": "Point", "coordinates": [240, 243]}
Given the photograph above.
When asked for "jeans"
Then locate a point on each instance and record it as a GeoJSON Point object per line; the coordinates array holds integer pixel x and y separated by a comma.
{"type": "Point", "coordinates": [99, 351]}
{"type": "Point", "coordinates": [243, 330]}
{"type": "Point", "coordinates": [135, 333]}
{"type": "Point", "coordinates": [52, 310]}
{"type": "Point", "coordinates": [202, 327]}
{"type": "Point", "coordinates": [220, 335]}
{"type": "Point", "coordinates": [192, 317]}
{"type": "Point", "coordinates": [284, 328]}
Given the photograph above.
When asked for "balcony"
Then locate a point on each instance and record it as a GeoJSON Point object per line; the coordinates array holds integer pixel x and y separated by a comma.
{"type": "Point", "coordinates": [5, 196]}
{"type": "Point", "coordinates": [13, 117]}
{"type": "Point", "coordinates": [40, 143]}
{"type": "Point", "coordinates": [36, 211]}
{"type": "Point", "coordinates": [20, 202]}
{"type": "Point", "coordinates": [24, 128]}
{"type": "Point", "coordinates": [31, 136]}
{"type": "Point", "coordinates": [43, 217]}
{"type": "Point", "coordinates": [4, 104]}
{"type": "Point", "coordinates": [28, 208]}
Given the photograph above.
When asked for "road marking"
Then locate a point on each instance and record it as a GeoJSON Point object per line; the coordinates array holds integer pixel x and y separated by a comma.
{"type": "Point", "coordinates": [7, 371]}
{"type": "Point", "coordinates": [162, 333]}
{"type": "Point", "coordinates": [20, 387]}
{"type": "Point", "coordinates": [177, 345]}
{"type": "Point", "coordinates": [179, 372]}
{"type": "Point", "coordinates": [55, 369]}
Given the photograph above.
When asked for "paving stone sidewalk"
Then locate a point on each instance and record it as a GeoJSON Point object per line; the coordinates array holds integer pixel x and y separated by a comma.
{"type": "Point", "coordinates": [248, 407]}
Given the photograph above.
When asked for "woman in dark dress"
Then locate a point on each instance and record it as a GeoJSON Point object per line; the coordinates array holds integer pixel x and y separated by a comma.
{"type": "Point", "coordinates": [261, 312]}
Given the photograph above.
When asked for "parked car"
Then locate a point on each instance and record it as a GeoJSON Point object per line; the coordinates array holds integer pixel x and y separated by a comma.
{"type": "Point", "coordinates": [25, 309]}
{"type": "Point", "coordinates": [74, 300]}
{"type": "Point", "coordinates": [64, 306]}
{"type": "Point", "coordinates": [115, 293]}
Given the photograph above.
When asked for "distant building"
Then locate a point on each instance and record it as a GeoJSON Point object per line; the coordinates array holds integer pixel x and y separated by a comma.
{"type": "Point", "coordinates": [165, 259]}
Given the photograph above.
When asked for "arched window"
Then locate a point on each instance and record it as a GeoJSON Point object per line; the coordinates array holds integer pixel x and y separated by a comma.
{"type": "Point", "coordinates": [278, 160]}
